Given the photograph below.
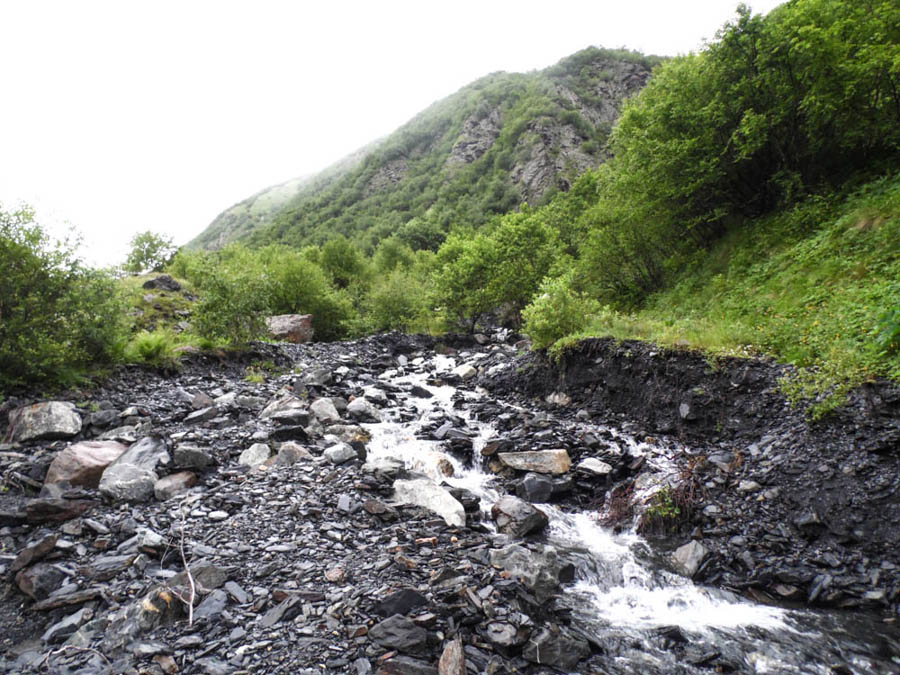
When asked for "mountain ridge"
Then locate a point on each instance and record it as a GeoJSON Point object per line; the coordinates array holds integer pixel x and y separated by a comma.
{"type": "Point", "coordinates": [504, 139]}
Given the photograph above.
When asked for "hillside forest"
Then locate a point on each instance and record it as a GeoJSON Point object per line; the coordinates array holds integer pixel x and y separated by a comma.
{"type": "Point", "coordinates": [742, 200]}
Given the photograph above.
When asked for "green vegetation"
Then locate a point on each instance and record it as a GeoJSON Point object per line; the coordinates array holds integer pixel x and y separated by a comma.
{"type": "Point", "coordinates": [57, 317]}
{"type": "Point", "coordinates": [150, 252]}
{"type": "Point", "coordinates": [457, 164]}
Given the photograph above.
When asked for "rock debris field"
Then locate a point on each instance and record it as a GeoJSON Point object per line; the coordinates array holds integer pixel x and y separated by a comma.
{"type": "Point", "coordinates": [367, 507]}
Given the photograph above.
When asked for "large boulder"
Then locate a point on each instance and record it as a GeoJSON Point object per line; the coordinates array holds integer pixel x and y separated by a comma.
{"type": "Point", "coordinates": [363, 410]}
{"type": "Point", "coordinates": [324, 410]}
{"type": "Point", "coordinates": [83, 463]}
{"type": "Point", "coordinates": [398, 632]}
{"type": "Point", "coordinates": [517, 517]}
{"type": "Point", "coordinates": [49, 421]}
{"type": "Point", "coordinates": [286, 410]}
{"type": "Point", "coordinates": [425, 493]}
{"type": "Point", "coordinates": [163, 282]}
{"type": "Point", "coordinates": [557, 648]}
{"type": "Point", "coordinates": [688, 558]}
{"type": "Point", "coordinates": [539, 571]}
{"type": "Point", "coordinates": [296, 328]}
{"type": "Point", "coordinates": [540, 461]}
{"type": "Point", "coordinates": [133, 476]}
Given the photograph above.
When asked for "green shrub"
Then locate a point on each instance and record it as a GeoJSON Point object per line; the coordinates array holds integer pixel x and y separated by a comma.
{"type": "Point", "coordinates": [398, 302]}
{"type": "Point", "coordinates": [150, 252]}
{"type": "Point", "coordinates": [233, 307]}
{"type": "Point", "coordinates": [58, 319]}
{"type": "Point", "coordinates": [557, 311]}
{"type": "Point", "coordinates": [155, 348]}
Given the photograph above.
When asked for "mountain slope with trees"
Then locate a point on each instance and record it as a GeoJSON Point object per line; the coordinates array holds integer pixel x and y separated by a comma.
{"type": "Point", "coordinates": [505, 139]}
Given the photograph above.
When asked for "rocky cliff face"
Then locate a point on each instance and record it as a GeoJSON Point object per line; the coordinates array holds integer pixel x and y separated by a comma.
{"type": "Point", "coordinates": [503, 140]}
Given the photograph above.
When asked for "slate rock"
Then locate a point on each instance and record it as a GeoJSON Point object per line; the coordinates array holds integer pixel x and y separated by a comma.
{"type": "Point", "coordinates": [363, 410]}
{"type": "Point", "coordinates": [539, 461]}
{"type": "Point", "coordinates": [174, 485]}
{"type": "Point", "coordinates": [539, 571]}
{"type": "Point", "coordinates": [188, 456]}
{"type": "Point", "coordinates": [404, 665]}
{"type": "Point", "coordinates": [517, 517]}
{"type": "Point", "coordinates": [453, 659]}
{"type": "Point", "coordinates": [401, 602]}
{"type": "Point", "coordinates": [688, 558]}
{"type": "Point", "coordinates": [425, 493]}
{"type": "Point", "coordinates": [212, 606]}
{"type": "Point", "coordinates": [47, 510]}
{"type": "Point", "coordinates": [398, 632]}
{"type": "Point", "coordinates": [50, 420]}
{"type": "Point", "coordinates": [340, 453]}
{"type": "Point", "coordinates": [535, 487]}
{"type": "Point", "coordinates": [594, 467]}
{"type": "Point", "coordinates": [256, 454]}
{"type": "Point", "coordinates": [202, 415]}
{"type": "Point", "coordinates": [133, 476]}
{"type": "Point", "coordinates": [291, 452]}
{"type": "Point", "coordinates": [324, 410]}
{"type": "Point", "coordinates": [559, 649]}
{"type": "Point", "coordinates": [40, 580]}
{"type": "Point", "coordinates": [33, 553]}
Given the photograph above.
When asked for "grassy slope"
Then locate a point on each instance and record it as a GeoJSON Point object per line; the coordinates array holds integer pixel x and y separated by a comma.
{"type": "Point", "coordinates": [817, 286]}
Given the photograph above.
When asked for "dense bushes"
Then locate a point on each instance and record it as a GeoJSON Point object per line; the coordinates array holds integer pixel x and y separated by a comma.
{"type": "Point", "coordinates": [57, 317]}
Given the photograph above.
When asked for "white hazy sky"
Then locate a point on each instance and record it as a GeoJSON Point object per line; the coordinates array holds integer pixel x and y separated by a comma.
{"type": "Point", "coordinates": [123, 116]}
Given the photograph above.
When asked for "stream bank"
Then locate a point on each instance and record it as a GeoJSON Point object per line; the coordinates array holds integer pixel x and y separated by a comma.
{"type": "Point", "coordinates": [307, 561]}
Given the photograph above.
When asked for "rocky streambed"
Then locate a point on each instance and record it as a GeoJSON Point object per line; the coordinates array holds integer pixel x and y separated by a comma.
{"type": "Point", "coordinates": [391, 505]}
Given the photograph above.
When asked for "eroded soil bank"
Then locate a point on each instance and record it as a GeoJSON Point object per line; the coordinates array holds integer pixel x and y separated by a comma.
{"type": "Point", "coordinates": [798, 510]}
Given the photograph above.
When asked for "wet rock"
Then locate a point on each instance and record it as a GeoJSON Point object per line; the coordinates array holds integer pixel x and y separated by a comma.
{"type": "Point", "coordinates": [133, 475]}
{"type": "Point", "coordinates": [535, 487]}
{"type": "Point", "coordinates": [50, 420]}
{"type": "Point", "coordinates": [517, 517]}
{"type": "Point", "coordinates": [256, 454]}
{"type": "Point", "coordinates": [295, 328]}
{"type": "Point", "coordinates": [465, 372]}
{"type": "Point", "coordinates": [187, 456]}
{"type": "Point", "coordinates": [423, 492]}
{"type": "Point", "coordinates": [174, 485]}
{"type": "Point", "coordinates": [539, 461]}
{"type": "Point", "coordinates": [362, 409]}
{"type": "Point", "coordinates": [398, 632]}
{"type": "Point", "coordinates": [340, 453]}
{"type": "Point", "coordinates": [291, 452]}
{"type": "Point", "coordinates": [505, 637]}
{"type": "Point", "coordinates": [163, 282]}
{"type": "Point", "coordinates": [324, 410]}
{"type": "Point", "coordinates": [594, 467]}
{"type": "Point", "coordinates": [83, 463]}
{"type": "Point", "coordinates": [559, 649]}
{"type": "Point", "coordinates": [540, 571]}
{"type": "Point", "coordinates": [419, 392]}
{"type": "Point", "coordinates": [688, 558]}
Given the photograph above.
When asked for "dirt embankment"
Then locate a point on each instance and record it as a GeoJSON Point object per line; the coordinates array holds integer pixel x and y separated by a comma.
{"type": "Point", "coordinates": [798, 510]}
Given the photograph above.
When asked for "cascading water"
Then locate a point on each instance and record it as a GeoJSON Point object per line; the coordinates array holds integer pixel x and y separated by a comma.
{"type": "Point", "coordinates": [620, 598]}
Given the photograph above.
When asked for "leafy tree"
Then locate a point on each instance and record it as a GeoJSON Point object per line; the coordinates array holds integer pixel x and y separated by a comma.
{"type": "Point", "coordinates": [57, 318]}
{"type": "Point", "coordinates": [150, 252]}
{"type": "Point", "coordinates": [343, 262]}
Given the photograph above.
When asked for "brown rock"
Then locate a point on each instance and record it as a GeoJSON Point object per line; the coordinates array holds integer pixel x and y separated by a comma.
{"type": "Point", "coordinates": [540, 461]}
{"type": "Point", "coordinates": [453, 660]}
{"type": "Point", "coordinates": [83, 463]}
{"type": "Point", "coordinates": [335, 575]}
{"type": "Point", "coordinates": [174, 484]}
{"type": "Point", "coordinates": [56, 510]}
{"type": "Point", "coordinates": [296, 328]}
{"type": "Point", "coordinates": [33, 553]}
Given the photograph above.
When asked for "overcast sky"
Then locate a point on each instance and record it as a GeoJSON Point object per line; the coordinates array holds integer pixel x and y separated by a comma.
{"type": "Point", "coordinates": [123, 116]}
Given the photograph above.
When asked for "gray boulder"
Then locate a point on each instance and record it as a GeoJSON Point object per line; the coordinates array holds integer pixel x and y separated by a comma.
{"type": "Point", "coordinates": [688, 558]}
{"type": "Point", "coordinates": [425, 493]}
{"type": "Point", "coordinates": [559, 649]}
{"type": "Point", "coordinates": [255, 455]}
{"type": "Point", "coordinates": [50, 420]}
{"type": "Point", "coordinates": [324, 410]}
{"type": "Point", "coordinates": [539, 571]}
{"type": "Point", "coordinates": [517, 517]}
{"type": "Point", "coordinates": [361, 409]}
{"type": "Point", "coordinates": [133, 476]}
{"type": "Point", "coordinates": [398, 632]}
{"type": "Point", "coordinates": [540, 461]}
{"type": "Point", "coordinates": [340, 453]}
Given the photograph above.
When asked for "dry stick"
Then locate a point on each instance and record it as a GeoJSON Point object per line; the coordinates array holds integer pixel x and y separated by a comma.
{"type": "Point", "coordinates": [65, 648]}
{"type": "Point", "coordinates": [187, 570]}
